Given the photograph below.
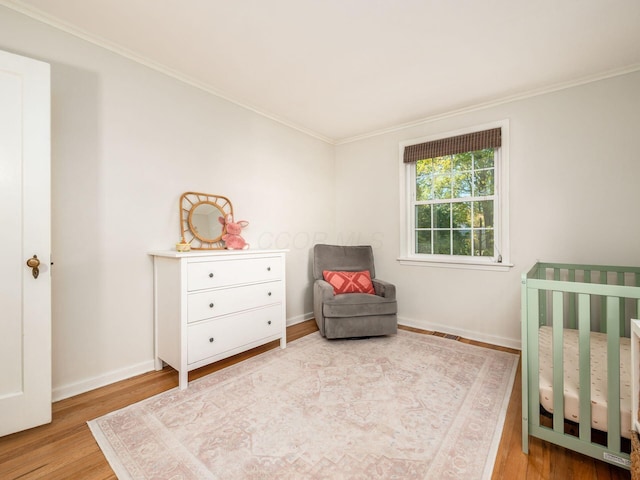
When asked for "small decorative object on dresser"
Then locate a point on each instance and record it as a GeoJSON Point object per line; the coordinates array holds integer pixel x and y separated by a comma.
{"type": "Point", "coordinates": [199, 225]}
{"type": "Point", "coordinates": [209, 305]}
{"type": "Point", "coordinates": [183, 246]}
{"type": "Point", "coordinates": [232, 238]}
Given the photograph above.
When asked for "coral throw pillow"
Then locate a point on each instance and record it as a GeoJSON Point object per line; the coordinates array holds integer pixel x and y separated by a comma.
{"type": "Point", "coordinates": [349, 282]}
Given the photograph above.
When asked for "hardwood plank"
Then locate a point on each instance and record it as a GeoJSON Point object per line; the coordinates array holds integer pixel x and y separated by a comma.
{"type": "Point", "coordinates": [511, 462]}
{"type": "Point", "coordinates": [66, 449]}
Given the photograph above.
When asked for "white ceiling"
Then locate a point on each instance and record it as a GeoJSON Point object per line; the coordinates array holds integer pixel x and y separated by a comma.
{"type": "Point", "coordinates": [340, 69]}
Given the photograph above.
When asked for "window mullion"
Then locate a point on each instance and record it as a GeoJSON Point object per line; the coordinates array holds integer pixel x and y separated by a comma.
{"type": "Point", "coordinates": [473, 237]}
{"type": "Point", "coordinates": [431, 215]}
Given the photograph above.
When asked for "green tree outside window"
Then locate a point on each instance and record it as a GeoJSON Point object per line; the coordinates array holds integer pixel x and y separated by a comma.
{"type": "Point", "coordinates": [455, 204]}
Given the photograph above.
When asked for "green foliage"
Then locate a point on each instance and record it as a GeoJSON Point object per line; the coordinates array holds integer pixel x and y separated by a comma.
{"type": "Point", "coordinates": [452, 216]}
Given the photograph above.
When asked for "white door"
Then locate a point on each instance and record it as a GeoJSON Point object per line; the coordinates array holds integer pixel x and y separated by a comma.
{"type": "Point", "coordinates": [25, 301]}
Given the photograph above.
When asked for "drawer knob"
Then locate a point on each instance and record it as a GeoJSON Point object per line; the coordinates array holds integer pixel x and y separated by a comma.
{"type": "Point", "coordinates": [269, 322]}
{"type": "Point", "coordinates": [211, 305]}
{"type": "Point", "coordinates": [211, 340]}
{"type": "Point", "coordinates": [268, 269]}
{"type": "Point", "coordinates": [269, 293]}
{"type": "Point", "coordinates": [211, 275]}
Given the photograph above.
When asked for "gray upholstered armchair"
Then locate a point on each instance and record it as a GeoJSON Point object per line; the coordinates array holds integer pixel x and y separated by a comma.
{"type": "Point", "coordinates": [351, 314]}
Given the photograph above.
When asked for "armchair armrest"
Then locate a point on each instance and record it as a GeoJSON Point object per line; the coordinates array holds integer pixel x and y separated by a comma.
{"type": "Point", "coordinates": [384, 289]}
{"type": "Point", "coordinates": [322, 291]}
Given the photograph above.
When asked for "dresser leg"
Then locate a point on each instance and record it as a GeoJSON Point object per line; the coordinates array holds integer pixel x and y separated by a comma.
{"type": "Point", "coordinates": [183, 379]}
{"type": "Point", "coordinates": [283, 342]}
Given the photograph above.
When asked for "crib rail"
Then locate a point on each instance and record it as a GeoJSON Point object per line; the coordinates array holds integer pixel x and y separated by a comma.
{"type": "Point", "coordinates": [586, 298]}
{"type": "Point", "coordinates": [598, 281]}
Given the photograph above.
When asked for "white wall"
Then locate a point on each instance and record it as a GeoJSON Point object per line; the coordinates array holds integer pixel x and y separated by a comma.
{"type": "Point", "coordinates": [574, 193]}
{"type": "Point", "coordinates": [127, 142]}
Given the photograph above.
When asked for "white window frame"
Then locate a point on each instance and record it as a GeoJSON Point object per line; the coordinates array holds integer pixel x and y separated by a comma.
{"type": "Point", "coordinates": [500, 261]}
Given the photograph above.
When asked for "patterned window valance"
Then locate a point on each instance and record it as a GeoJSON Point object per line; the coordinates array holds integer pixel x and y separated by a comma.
{"type": "Point", "coordinates": [468, 142]}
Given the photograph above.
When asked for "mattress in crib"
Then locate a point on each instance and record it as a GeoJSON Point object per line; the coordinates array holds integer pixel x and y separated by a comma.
{"type": "Point", "coordinates": [598, 378]}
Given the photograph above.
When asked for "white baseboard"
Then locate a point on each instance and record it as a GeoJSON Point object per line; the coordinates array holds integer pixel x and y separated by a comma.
{"type": "Point", "coordinates": [70, 390]}
{"type": "Point", "coordinates": [470, 334]}
{"type": "Point", "coordinates": [299, 318]}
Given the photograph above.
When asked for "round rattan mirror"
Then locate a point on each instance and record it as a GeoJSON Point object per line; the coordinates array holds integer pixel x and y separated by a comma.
{"type": "Point", "coordinates": [199, 224]}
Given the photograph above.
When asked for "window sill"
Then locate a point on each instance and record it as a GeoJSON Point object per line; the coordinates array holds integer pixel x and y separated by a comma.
{"type": "Point", "coordinates": [455, 263]}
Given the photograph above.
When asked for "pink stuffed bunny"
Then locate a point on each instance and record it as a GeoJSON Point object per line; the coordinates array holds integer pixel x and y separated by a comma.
{"type": "Point", "coordinates": [232, 238]}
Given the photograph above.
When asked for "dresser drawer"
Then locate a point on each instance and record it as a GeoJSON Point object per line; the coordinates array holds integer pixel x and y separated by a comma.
{"type": "Point", "coordinates": [214, 337]}
{"type": "Point", "coordinates": [223, 301]}
{"type": "Point", "coordinates": [222, 273]}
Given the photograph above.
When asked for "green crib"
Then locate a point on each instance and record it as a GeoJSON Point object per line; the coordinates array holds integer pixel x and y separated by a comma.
{"type": "Point", "coordinates": [576, 329]}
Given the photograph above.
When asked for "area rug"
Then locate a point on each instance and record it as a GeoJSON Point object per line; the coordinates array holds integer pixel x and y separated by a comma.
{"type": "Point", "coordinates": [408, 406]}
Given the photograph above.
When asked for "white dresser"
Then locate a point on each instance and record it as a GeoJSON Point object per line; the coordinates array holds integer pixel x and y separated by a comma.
{"type": "Point", "coordinates": [210, 305]}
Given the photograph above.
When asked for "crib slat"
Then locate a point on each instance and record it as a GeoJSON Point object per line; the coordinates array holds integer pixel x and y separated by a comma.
{"type": "Point", "coordinates": [542, 310]}
{"type": "Point", "coordinates": [613, 372]}
{"type": "Point", "coordinates": [533, 347]}
{"type": "Point", "coordinates": [558, 363]}
{"type": "Point", "coordinates": [637, 280]}
{"type": "Point", "coordinates": [603, 306]}
{"type": "Point", "coordinates": [584, 317]}
{"type": "Point", "coordinates": [622, 313]}
{"type": "Point", "coordinates": [572, 301]}
{"type": "Point", "coordinates": [622, 316]}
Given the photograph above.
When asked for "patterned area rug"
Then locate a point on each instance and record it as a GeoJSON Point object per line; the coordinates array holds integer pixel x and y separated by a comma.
{"type": "Point", "coordinates": [409, 406]}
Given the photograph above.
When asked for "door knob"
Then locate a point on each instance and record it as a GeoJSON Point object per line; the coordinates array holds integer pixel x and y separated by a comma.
{"type": "Point", "coordinates": [33, 263]}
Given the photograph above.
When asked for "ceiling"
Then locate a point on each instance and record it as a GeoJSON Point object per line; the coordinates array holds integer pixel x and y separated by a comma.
{"type": "Point", "coordinates": [343, 69]}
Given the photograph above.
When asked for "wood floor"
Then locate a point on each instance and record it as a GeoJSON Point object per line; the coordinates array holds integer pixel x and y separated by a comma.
{"type": "Point", "coordinates": [65, 449]}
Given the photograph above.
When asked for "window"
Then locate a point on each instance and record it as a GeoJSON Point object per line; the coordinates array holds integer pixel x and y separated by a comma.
{"type": "Point", "coordinates": [455, 209]}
